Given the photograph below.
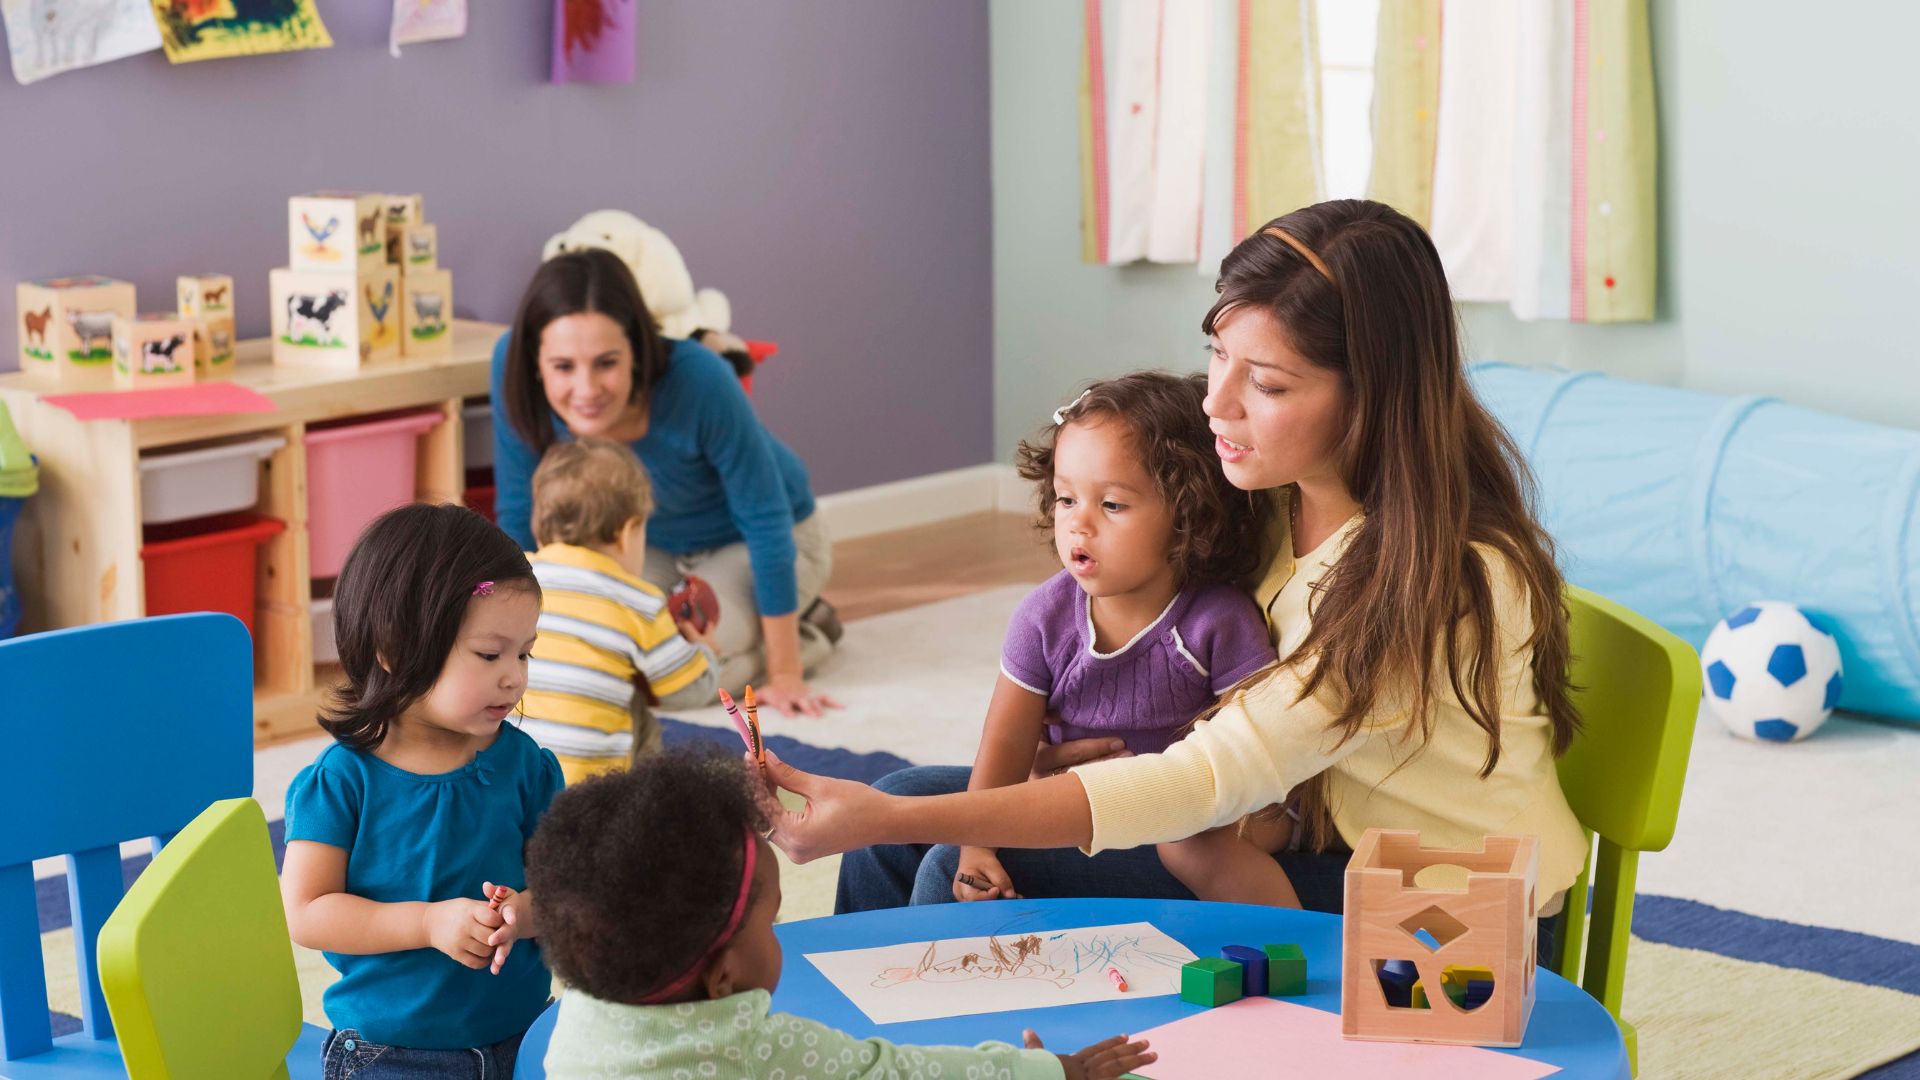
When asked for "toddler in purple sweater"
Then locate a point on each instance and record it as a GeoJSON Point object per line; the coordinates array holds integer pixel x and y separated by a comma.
{"type": "Point", "coordinates": [1146, 624]}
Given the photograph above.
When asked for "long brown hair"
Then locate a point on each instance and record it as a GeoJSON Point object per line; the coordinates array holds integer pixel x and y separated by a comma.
{"type": "Point", "coordinates": [587, 281]}
{"type": "Point", "coordinates": [1433, 472]}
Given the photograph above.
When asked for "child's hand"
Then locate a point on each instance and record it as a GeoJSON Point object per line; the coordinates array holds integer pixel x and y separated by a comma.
{"type": "Point", "coordinates": [981, 877]}
{"type": "Point", "coordinates": [460, 929]}
{"type": "Point", "coordinates": [1105, 1060]}
{"type": "Point", "coordinates": [693, 634]}
{"type": "Point", "coordinates": [516, 922]}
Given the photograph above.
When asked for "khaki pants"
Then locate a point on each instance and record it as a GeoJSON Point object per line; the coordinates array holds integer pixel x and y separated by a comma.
{"type": "Point", "coordinates": [729, 570]}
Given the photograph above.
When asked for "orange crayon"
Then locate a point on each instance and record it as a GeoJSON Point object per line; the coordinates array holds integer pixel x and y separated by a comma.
{"type": "Point", "coordinates": [758, 745]}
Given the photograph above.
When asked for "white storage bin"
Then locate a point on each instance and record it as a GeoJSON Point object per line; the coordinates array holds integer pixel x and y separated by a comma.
{"type": "Point", "coordinates": [476, 436]}
{"type": "Point", "coordinates": [200, 483]}
{"type": "Point", "coordinates": [324, 650]}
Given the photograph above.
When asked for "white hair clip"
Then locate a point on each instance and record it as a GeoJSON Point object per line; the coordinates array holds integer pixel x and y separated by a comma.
{"type": "Point", "coordinates": [1060, 414]}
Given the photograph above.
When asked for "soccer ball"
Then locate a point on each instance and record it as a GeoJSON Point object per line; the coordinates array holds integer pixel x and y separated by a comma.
{"type": "Point", "coordinates": [1771, 672]}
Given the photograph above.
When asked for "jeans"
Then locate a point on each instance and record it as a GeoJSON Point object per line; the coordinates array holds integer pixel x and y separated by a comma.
{"type": "Point", "coordinates": [349, 1057]}
{"type": "Point", "coordinates": [895, 875]}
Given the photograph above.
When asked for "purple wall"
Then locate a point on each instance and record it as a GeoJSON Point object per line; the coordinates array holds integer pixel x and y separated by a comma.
{"type": "Point", "coordinates": [824, 163]}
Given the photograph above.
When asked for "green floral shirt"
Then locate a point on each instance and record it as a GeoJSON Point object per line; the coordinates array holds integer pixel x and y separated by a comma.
{"type": "Point", "coordinates": [736, 1038]}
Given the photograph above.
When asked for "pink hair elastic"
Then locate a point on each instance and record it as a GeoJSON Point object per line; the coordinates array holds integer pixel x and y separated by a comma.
{"type": "Point", "coordinates": [485, 588]}
{"type": "Point", "coordinates": [726, 932]}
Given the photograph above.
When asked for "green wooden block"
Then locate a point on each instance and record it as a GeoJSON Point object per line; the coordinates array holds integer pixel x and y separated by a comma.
{"type": "Point", "coordinates": [1211, 981]}
{"type": "Point", "coordinates": [1286, 970]}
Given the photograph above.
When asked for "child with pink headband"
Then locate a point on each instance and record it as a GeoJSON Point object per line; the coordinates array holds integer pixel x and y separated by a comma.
{"type": "Point", "coordinates": [657, 901]}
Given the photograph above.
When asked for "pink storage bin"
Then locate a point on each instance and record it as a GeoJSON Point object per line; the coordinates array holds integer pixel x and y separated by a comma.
{"type": "Point", "coordinates": [355, 473]}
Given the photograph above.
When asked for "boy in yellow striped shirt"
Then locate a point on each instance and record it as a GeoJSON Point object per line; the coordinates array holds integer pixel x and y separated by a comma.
{"type": "Point", "coordinates": [607, 638]}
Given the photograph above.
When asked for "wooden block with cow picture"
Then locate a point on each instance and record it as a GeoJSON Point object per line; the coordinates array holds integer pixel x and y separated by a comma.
{"type": "Point", "coordinates": [153, 350]}
{"type": "Point", "coordinates": [419, 248]}
{"type": "Point", "coordinates": [337, 230]}
{"type": "Point", "coordinates": [426, 315]}
{"type": "Point", "coordinates": [380, 314]}
{"type": "Point", "coordinates": [66, 327]}
{"type": "Point", "coordinates": [317, 319]}
{"type": "Point", "coordinates": [205, 296]}
{"type": "Point", "coordinates": [213, 354]}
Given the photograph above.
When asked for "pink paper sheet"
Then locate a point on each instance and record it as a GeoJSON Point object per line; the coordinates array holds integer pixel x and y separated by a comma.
{"type": "Point", "coordinates": [200, 399]}
{"type": "Point", "coordinates": [1249, 1036]}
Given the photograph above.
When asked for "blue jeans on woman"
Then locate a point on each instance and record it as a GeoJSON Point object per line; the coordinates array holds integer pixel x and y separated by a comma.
{"type": "Point", "coordinates": [895, 875]}
{"type": "Point", "coordinates": [349, 1057]}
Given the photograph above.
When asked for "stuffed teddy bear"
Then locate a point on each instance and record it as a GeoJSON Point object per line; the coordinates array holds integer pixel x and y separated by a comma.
{"type": "Point", "coordinates": [678, 309]}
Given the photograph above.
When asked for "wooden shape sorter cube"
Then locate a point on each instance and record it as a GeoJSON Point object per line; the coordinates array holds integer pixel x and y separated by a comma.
{"type": "Point", "coordinates": [337, 230]}
{"type": "Point", "coordinates": [1485, 922]}
{"type": "Point", "coordinates": [419, 248]}
{"type": "Point", "coordinates": [205, 296]}
{"type": "Point", "coordinates": [426, 314]}
{"type": "Point", "coordinates": [66, 327]}
{"type": "Point", "coordinates": [213, 340]}
{"type": "Point", "coordinates": [153, 350]}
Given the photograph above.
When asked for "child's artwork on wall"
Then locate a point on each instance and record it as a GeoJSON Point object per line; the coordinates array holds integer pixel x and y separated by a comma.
{"type": "Point", "coordinates": [593, 40]}
{"type": "Point", "coordinates": [47, 37]}
{"type": "Point", "coordinates": [924, 980]}
{"type": "Point", "coordinates": [415, 21]}
{"type": "Point", "coordinates": [214, 29]}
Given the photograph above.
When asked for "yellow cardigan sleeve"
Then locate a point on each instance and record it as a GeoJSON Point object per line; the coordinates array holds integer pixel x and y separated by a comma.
{"type": "Point", "coordinates": [1252, 752]}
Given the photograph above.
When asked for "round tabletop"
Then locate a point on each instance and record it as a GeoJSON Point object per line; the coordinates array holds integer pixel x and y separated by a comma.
{"type": "Point", "coordinates": [1569, 1029]}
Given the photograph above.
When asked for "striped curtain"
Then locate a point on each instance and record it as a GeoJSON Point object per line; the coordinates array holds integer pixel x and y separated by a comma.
{"type": "Point", "coordinates": [1523, 134]}
{"type": "Point", "coordinates": [1198, 121]}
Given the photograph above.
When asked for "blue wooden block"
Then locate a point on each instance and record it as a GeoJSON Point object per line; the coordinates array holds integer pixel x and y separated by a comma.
{"type": "Point", "coordinates": [1254, 963]}
{"type": "Point", "coordinates": [1396, 982]}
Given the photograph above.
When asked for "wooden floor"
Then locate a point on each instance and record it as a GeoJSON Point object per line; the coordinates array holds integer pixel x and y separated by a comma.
{"type": "Point", "coordinates": [890, 571]}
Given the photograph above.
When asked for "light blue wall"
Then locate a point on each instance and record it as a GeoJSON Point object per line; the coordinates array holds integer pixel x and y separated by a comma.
{"type": "Point", "coordinates": [1791, 246]}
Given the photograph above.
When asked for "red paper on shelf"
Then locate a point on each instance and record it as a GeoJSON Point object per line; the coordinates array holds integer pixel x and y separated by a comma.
{"type": "Point", "coordinates": [200, 399]}
{"type": "Point", "coordinates": [1247, 1037]}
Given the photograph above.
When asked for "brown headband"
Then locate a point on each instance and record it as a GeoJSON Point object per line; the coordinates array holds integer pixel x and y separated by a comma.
{"type": "Point", "coordinates": [1305, 251]}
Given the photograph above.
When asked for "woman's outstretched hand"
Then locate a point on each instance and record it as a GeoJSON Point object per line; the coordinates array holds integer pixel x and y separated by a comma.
{"type": "Point", "coordinates": [789, 695]}
{"type": "Point", "coordinates": [840, 815]}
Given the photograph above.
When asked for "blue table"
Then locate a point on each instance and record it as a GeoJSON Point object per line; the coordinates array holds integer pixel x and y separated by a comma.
{"type": "Point", "coordinates": [1568, 1029]}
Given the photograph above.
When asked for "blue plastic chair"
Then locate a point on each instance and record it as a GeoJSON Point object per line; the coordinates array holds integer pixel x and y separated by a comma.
{"type": "Point", "coordinates": [111, 732]}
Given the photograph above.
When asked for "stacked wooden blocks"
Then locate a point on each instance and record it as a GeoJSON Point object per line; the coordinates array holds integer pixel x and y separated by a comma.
{"type": "Point", "coordinates": [207, 299]}
{"type": "Point", "coordinates": [334, 303]}
{"type": "Point", "coordinates": [426, 290]}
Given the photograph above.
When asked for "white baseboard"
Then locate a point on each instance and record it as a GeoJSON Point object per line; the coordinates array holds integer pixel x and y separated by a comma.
{"type": "Point", "coordinates": [924, 500]}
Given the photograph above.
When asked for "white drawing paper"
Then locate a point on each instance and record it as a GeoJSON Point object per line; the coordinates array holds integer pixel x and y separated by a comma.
{"type": "Point", "coordinates": [47, 37]}
{"type": "Point", "coordinates": [1018, 969]}
{"type": "Point", "coordinates": [415, 21]}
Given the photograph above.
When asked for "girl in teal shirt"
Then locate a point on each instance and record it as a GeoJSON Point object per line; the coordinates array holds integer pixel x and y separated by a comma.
{"type": "Point", "coordinates": [400, 834]}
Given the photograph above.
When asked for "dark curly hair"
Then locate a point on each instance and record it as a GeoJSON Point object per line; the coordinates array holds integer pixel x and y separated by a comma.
{"type": "Point", "coordinates": [637, 871]}
{"type": "Point", "coordinates": [398, 605]}
{"type": "Point", "coordinates": [1218, 528]}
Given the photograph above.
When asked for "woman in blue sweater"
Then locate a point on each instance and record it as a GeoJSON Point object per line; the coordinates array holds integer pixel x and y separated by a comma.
{"type": "Point", "coordinates": [732, 502]}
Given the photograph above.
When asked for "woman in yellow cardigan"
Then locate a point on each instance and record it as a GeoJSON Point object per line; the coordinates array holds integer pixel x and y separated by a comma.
{"type": "Point", "coordinates": [1421, 672]}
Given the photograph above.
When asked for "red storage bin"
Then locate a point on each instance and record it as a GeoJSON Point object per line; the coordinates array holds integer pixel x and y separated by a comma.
{"type": "Point", "coordinates": [479, 499]}
{"type": "Point", "coordinates": [355, 473]}
{"type": "Point", "coordinates": [206, 565]}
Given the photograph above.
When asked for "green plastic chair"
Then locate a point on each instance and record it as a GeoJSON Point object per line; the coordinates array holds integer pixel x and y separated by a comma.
{"type": "Point", "coordinates": [1637, 687]}
{"type": "Point", "coordinates": [196, 963]}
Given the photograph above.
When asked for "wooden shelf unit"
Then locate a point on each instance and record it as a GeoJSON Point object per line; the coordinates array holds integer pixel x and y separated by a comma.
{"type": "Point", "coordinates": [77, 549]}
